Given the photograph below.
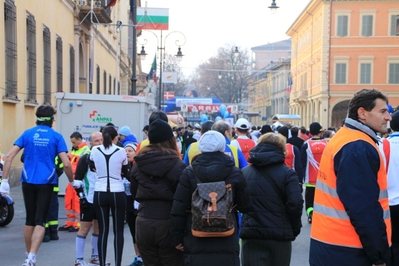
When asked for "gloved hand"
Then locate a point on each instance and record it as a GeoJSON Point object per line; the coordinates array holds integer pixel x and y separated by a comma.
{"type": "Point", "coordinates": [5, 188]}
{"type": "Point", "coordinates": [83, 202]}
{"type": "Point", "coordinates": [76, 183]}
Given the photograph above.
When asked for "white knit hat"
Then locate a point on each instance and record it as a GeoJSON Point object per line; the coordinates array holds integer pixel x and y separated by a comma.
{"type": "Point", "coordinates": [212, 141]}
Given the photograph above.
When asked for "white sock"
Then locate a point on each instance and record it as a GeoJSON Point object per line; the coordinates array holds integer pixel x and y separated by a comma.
{"type": "Point", "coordinates": [94, 246]}
{"type": "Point", "coordinates": [32, 257]}
{"type": "Point", "coordinates": [139, 258]}
{"type": "Point", "coordinates": [80, 246]}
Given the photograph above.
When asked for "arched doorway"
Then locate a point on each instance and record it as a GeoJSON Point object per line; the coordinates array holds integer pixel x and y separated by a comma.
{"type": "Point", "coordinates": [339, 113]}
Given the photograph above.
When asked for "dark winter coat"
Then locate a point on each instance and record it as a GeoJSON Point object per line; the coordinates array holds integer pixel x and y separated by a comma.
{"type": "Point", "coordinates": [208, 167]}
{"type": "Point", "coordinates": [269, 217]}
{"type": "Point", "coordinates": [154, 178]}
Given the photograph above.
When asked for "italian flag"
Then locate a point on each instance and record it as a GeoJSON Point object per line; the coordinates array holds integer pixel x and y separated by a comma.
{"type": "Point", "coordinates": [152, 18]}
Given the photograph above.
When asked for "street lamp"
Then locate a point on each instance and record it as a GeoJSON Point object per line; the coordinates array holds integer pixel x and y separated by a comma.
{"type": "Point", "coordinates": [273, 7]}
{"type": "Point", "coordinates": [236, 52]}
{"type": "Point", "coordinates": [142, 53]}
{"type": "Point", "coordinates": [179, 56]}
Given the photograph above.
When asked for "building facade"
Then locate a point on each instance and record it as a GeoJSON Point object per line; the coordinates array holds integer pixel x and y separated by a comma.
{"type": "Point", "coordinates": [60, 46]}
{"type": "Point", "coordinates": [338, 48]}
{"type": "Point", "coordinates": [268, 92]}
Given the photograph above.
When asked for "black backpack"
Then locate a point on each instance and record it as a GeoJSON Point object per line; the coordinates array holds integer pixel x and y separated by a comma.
{"type": "Point", "coordinates": [211, 209]}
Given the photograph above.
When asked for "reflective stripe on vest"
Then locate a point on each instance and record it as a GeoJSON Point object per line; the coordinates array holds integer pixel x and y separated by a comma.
{"type": "Point", "coordinates": [330, 222]}
{"type": "Point", "coordinates": [290, 156]}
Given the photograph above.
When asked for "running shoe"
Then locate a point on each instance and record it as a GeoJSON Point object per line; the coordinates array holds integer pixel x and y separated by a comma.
{"type": "Point", "coordinates": [80, 263]}
{"type": "Point", "coordinates": [28, 262]}
{"type": "Point", "coordinates": [137, 262]}
{"type": "Point", "coordinates": [96, 261]}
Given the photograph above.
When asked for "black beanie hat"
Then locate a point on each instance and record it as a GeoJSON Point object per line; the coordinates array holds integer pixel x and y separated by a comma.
{"type": "Point", "coordinates": [159, 131]}
{"type": "Point", "coordinates": [315, 128]}
{"type": "Point", "coordinates": [394, 124]}
{"type": "Point", "coordinates": [283, 131]}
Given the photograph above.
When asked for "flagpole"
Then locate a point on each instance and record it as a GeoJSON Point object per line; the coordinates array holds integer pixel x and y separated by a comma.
{"type": "Point", "coordinates": [160, 75]}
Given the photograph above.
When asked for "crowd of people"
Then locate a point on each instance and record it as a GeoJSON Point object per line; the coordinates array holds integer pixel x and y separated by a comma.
{"type": "Point", "coordinates": [346, 178]}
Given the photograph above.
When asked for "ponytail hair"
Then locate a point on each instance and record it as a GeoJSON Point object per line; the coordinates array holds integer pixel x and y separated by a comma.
{"type": "Point", "coordinates": [109, 134]}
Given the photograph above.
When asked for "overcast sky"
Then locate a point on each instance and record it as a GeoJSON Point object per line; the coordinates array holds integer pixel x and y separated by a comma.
{"type": "Point", "coordinates": [210, 24]}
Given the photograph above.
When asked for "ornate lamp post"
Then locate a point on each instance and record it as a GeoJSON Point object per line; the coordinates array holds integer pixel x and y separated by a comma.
{"type": "Point", "coordinates": [161, 48]}
{"type": "Point", "coordinates": [273, 7]}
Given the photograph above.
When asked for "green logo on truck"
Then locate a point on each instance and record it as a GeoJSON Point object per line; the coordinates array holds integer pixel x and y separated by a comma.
{"type": "Point", "coordinates": [96, 117]}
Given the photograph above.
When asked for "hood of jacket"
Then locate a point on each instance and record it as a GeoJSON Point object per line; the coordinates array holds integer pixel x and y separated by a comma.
{"type": "Point", "coordinates": [162, 161]}
{"type": "Point", "coordinates": [129, 139]}
{"type": "Point", "coordinates": [266, 154]}
{"type": "Point", "coordinates": [212, 166]}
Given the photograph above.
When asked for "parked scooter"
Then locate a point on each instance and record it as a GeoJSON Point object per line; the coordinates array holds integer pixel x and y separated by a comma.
{"type": "Point", "coordinates": [6, 210]}
{"type": "Point", "coordinates": [6, 205]}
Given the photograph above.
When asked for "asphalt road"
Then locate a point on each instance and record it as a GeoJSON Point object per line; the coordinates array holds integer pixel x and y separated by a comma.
{"type": "Point", "coordinates": [62, 252]}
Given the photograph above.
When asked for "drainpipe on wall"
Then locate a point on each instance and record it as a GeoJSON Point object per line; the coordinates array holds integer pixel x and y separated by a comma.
{"type": "Point", "coordinates": [329, 67]}
{"type": "Point", "coordinates": [311, 64]}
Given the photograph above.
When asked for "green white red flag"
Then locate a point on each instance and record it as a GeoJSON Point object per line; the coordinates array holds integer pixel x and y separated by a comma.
{"type": "Point", "coordinates": [152, 18]}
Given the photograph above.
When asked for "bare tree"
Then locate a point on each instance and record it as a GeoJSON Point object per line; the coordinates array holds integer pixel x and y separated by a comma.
{"type": "Point", "coordinates": [172, 64]}
{"type": "Point", "coordinates": [224, 76]}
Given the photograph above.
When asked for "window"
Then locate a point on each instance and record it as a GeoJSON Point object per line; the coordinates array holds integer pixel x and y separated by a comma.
{"type": "Point", "coordinates": [114, 86]}
{"type": "Point", "coordinates": [11, 49]}
{"type": "Point", "coordinates": [367, 25]}
{"type": "Point", "coordinates": [110, 85]}
{"type": "Point", "coordinates": [105, 82]}
{"type": "Point", "coordinates": [340, 73]}
{"type": "Point", "coordinates": [31, 55]}
{"type": "Point", "coordinates": [303, 81]}
{"type": "Point", "coordinates": [365, 73]}
{"type": "Point", "coordinates": [119, 88]}
{"type": "Point", "coordinates": [342, 25]}
{"type": "Point", "coordinates": [98, 80]}
{"type": "Point", "coordinates": [394, 31]}
{"type": "Point", "coordinates": [58, 48]}
{"type": "Point", "coordinates": [47, 65]}
{"type": "Point", "coordinates": [393, 73]}
{"type": "Point", "coordinates": [71, 69]}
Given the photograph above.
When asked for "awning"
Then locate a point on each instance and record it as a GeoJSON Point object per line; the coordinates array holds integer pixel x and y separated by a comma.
{"type": "Point", "coordinates": [285, 117]}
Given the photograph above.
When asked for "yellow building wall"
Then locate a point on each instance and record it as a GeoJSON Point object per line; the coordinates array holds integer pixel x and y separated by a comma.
{"type": "Point", "coordinates": [60, 17]}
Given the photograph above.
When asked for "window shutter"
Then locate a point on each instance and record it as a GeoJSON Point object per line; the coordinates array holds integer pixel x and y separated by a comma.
{"type": "Point", "coordinates": [394, 73]}
{"type": "Point", "coordinates": [367, 25]}
{"type": "Point", "coordinates": [340, 75]}
{"type": "Point", "coordinates": [342, 26]}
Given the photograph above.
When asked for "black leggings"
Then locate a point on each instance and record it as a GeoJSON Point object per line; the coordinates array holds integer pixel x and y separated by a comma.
{"type": "Point", "coordinates": [37, 200]}
{"type": "Point", "coordinates": [131, 215]}
{"type": "Point", "coordinates": [103, 203]}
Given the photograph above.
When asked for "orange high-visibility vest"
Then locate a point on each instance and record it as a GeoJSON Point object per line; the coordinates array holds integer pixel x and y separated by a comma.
{"type": "Point", "coordinates": [290, 156]}
{"type": "Point", "coordinates": [75, 155]}
{"type": "Point", "coordinates": [331, 223]}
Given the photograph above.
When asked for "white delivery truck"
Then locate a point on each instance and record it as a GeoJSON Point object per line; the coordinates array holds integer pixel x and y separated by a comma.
{"type": "Point", "coordinates": [87, 113]}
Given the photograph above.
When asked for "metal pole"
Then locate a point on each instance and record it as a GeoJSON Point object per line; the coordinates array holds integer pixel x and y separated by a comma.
{"type": "Point", "coordinates": [133, 8]}
{"type": "Point", "coordinates": [160, 76]}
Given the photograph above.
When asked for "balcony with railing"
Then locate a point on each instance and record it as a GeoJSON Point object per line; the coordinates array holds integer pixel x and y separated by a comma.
{"type": "Point", "coordinates": [300, 96]}
{"type": "Point", "coordinates": [89, 16]}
